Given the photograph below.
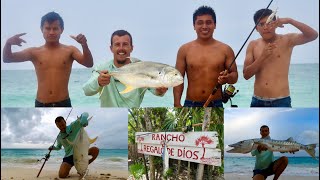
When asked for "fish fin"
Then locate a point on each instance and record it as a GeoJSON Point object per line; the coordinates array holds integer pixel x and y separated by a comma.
{"type": "Point", "coordinates": [310, 149]}
{"type": "Point", "coordinates": [290, 139]}
{"type": "Point", "coordinates": [93, 140]}
{"type": "Point", "coordinates": [101, 91]}
{"type": "Point", "coordinates": [128, 89]}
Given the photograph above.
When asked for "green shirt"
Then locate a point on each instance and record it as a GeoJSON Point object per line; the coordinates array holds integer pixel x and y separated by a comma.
{"type": "Point", "coordinates": [110, 96]}
{"type": "Point", "coordinates": [70, 134]}
{"type": "Point", "coordinates": [263, 159]}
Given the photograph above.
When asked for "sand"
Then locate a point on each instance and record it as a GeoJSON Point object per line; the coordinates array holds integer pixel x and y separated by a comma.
{"type": "Point", "coordinates": [282, 177]}
{"type": "Point", "coordinates": [29, 173]}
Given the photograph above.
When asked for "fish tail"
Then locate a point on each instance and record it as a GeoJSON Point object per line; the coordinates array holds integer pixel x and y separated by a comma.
{"type": "Point", "coordinates": [310, 149]}
{"type": "Point", "coordinates": [93, 140]}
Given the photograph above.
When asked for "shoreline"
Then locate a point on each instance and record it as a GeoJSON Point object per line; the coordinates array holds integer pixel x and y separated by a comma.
{"type": "Point", "coordinates": [46, 174]}
{"type": "Point", "coordinates": [234, 176]}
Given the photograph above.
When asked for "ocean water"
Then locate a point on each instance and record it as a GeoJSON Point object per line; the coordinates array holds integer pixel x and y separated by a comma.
{"type": "Point", "coordinates": [298, 166]}
{"type": "Point", "coordinates": [107, 159]}
{"type": "Point", "coordinates": [18, 89]}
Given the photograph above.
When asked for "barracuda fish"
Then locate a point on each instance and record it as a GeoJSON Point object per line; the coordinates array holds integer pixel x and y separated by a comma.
{"type": "Point", "coordinates": [80, 151]}
{"type": "Point", "coordinates": [288, 145]}
{"type": "Point", "coordinates": [146, 74]}
{"type": "Point", "coordinates": [272, 15]}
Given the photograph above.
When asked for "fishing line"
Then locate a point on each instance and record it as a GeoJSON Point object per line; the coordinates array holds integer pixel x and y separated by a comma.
{"type": "Point", "coordinates": [233, 61]}
{"type": "Point", "coordinates": [47, 156]}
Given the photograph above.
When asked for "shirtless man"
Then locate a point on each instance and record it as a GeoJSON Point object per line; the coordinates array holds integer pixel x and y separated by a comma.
{"type": "Point", "coordinates": [205, 60]}
{"type": "Point", "coordinates": [268, 58]}
{"type": "Point", "coordinates": [52, 61]}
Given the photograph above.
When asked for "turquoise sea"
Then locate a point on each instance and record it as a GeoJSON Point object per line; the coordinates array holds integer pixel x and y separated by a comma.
{"type": "Point", "coordinates": [298, 166]}
{"type": "Point", "coordinates": [107, 159]}
{"type": "Point", "coordinates": [18, 89]}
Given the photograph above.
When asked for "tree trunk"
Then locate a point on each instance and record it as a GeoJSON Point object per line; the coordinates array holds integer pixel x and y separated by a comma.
{"type": "Point", "coordinates": [149, 128]}
{"type": "Point", "coordinates": [206, 120]}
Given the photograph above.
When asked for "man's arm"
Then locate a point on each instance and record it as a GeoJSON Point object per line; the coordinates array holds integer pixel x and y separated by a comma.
{"type": "Point", "coordinates": [57, 147]}
{"type": "Point", "coordinates": [84, 119]}
{"type": "Point", "coordinates": [252, 65]}
{"type": "Point", "coordinates": [9, 56]}
{"type": "Point", "coordinates": [230, 77]}
{"type": "Point", "coordinates": [81, 121]}
{"type": "Point", "coordinates": [92, 87]}
{"type": "Point", "coordinates": [181, 67]}
{"type": "Point", "coordinates": [85, 58]}
{"type": "Point", "coordinates": [307, 33]}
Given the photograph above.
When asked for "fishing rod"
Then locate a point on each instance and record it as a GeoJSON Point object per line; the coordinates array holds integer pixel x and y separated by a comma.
{"type": "Point", "coordinates": [47, 156]}
{"type": "Point", "coordinates": [218, 86]}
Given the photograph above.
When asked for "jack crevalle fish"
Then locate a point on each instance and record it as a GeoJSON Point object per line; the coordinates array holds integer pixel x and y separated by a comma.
{"type": "Point", "coordinates": [80, 150]}
{"type": "Point", "coordinates": [288, 145]}
{"type": "Point", "coordinates": [145, 74]}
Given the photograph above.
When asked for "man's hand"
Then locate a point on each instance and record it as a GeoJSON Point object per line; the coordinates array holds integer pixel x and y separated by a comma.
{"type": "Point", "coordinates": [281, 21]}
{"type": "Point", "coordinates": [262, 147]}
{"type": "Point", "coordinates": [80, 38]}
{"type": "Point", "coordinates": [104, 78]}
{"type": "Point", "coordinates": [268, 50]}
{"type": "Point", "coordinates": [161, 90]}
{"type": "Point", "coordinates": [223, 77]}
{"type": "Point", "coordinates": [16, 40]}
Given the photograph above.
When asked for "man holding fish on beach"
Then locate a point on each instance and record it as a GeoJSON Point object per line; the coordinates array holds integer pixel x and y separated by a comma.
{"type": "Point", "coordinates": [123, 81]}
{"type": "Point", "coordinates": [268, 58]}
{"type": "Point", "coordinates": [67, 138]}
{"type": "Point", "coordinates": [265, 164]}
{"type": "Point", "coordinates": [52, 61]}
{"type": "Point", "coordinates": [205, 61]}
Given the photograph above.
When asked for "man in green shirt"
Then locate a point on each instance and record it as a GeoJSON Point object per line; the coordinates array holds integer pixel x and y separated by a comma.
{"type": "Point", "coordinates": [70, 132]}
{"type": "Point", "coordinates": [108, 87]}
{"type": "Point", "coordinates": [265, 165]}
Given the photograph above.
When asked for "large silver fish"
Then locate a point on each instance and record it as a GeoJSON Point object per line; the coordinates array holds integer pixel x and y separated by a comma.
{"type": "Point", "coordinates": [146, 74]}
{"type": "Point", "coordinates": [288, 145]}
{"type": "Point", "coordinates": [80, 151]}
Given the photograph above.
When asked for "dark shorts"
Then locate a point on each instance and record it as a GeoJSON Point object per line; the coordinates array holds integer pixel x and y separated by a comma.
{"type": "Point", "coordinates": [281, 102]}
{"type": "Point", "coordinates": [69, 160]}
{"type": "Point", "coordinates": [215, 103]}
{"type": "Point", "coordinates": [64, 103]}
{"type": "Point", "coordinates": [265, 172]}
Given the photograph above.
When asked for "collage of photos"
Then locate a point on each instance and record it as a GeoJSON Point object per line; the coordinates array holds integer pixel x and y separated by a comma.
{"type": "Point", "coordinates": [160, 90]}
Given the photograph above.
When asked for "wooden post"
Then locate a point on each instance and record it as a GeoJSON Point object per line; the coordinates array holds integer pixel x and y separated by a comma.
{"type": "Point", "coordinates": [206, 120]}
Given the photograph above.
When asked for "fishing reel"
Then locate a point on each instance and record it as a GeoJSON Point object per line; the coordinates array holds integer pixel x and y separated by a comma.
{"type": "Point", "coordinates": [46, 157]}
{"type": "Point", "coordinates": [228, 93]}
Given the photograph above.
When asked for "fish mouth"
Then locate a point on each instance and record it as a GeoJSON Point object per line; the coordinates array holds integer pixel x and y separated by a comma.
{"type": "Point", "coordinates": [234, 145]}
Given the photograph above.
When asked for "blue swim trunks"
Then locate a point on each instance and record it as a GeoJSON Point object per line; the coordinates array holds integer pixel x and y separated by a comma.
{"type": "Point", "coordinates": [215, 103]}
{"type": "Point", "coordinates": [63, 103]}
{"type": "Point", "coordinates": [271, 102]}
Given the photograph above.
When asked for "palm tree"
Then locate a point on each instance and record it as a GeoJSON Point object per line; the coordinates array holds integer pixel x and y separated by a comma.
{"type": "Point", "coordinates": [203, 140]}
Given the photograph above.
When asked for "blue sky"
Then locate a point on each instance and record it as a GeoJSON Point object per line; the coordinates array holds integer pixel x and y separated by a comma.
{"type": "Point", "coordinates": [158, 28]}
{"type": "Point", "coordinates": [35, 127]}
{"type": "Point", "coordinates": [301, 124]}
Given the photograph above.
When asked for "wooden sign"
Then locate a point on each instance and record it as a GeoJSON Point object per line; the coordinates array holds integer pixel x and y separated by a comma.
{"type": "Point", "coordinates": [199, 147]}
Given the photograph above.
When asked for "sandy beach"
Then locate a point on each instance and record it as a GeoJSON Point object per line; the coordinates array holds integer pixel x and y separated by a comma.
{"type": "Point", "coordinates": [283, 177]}
{"type": "Point", "coordinates": [29, 173]}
